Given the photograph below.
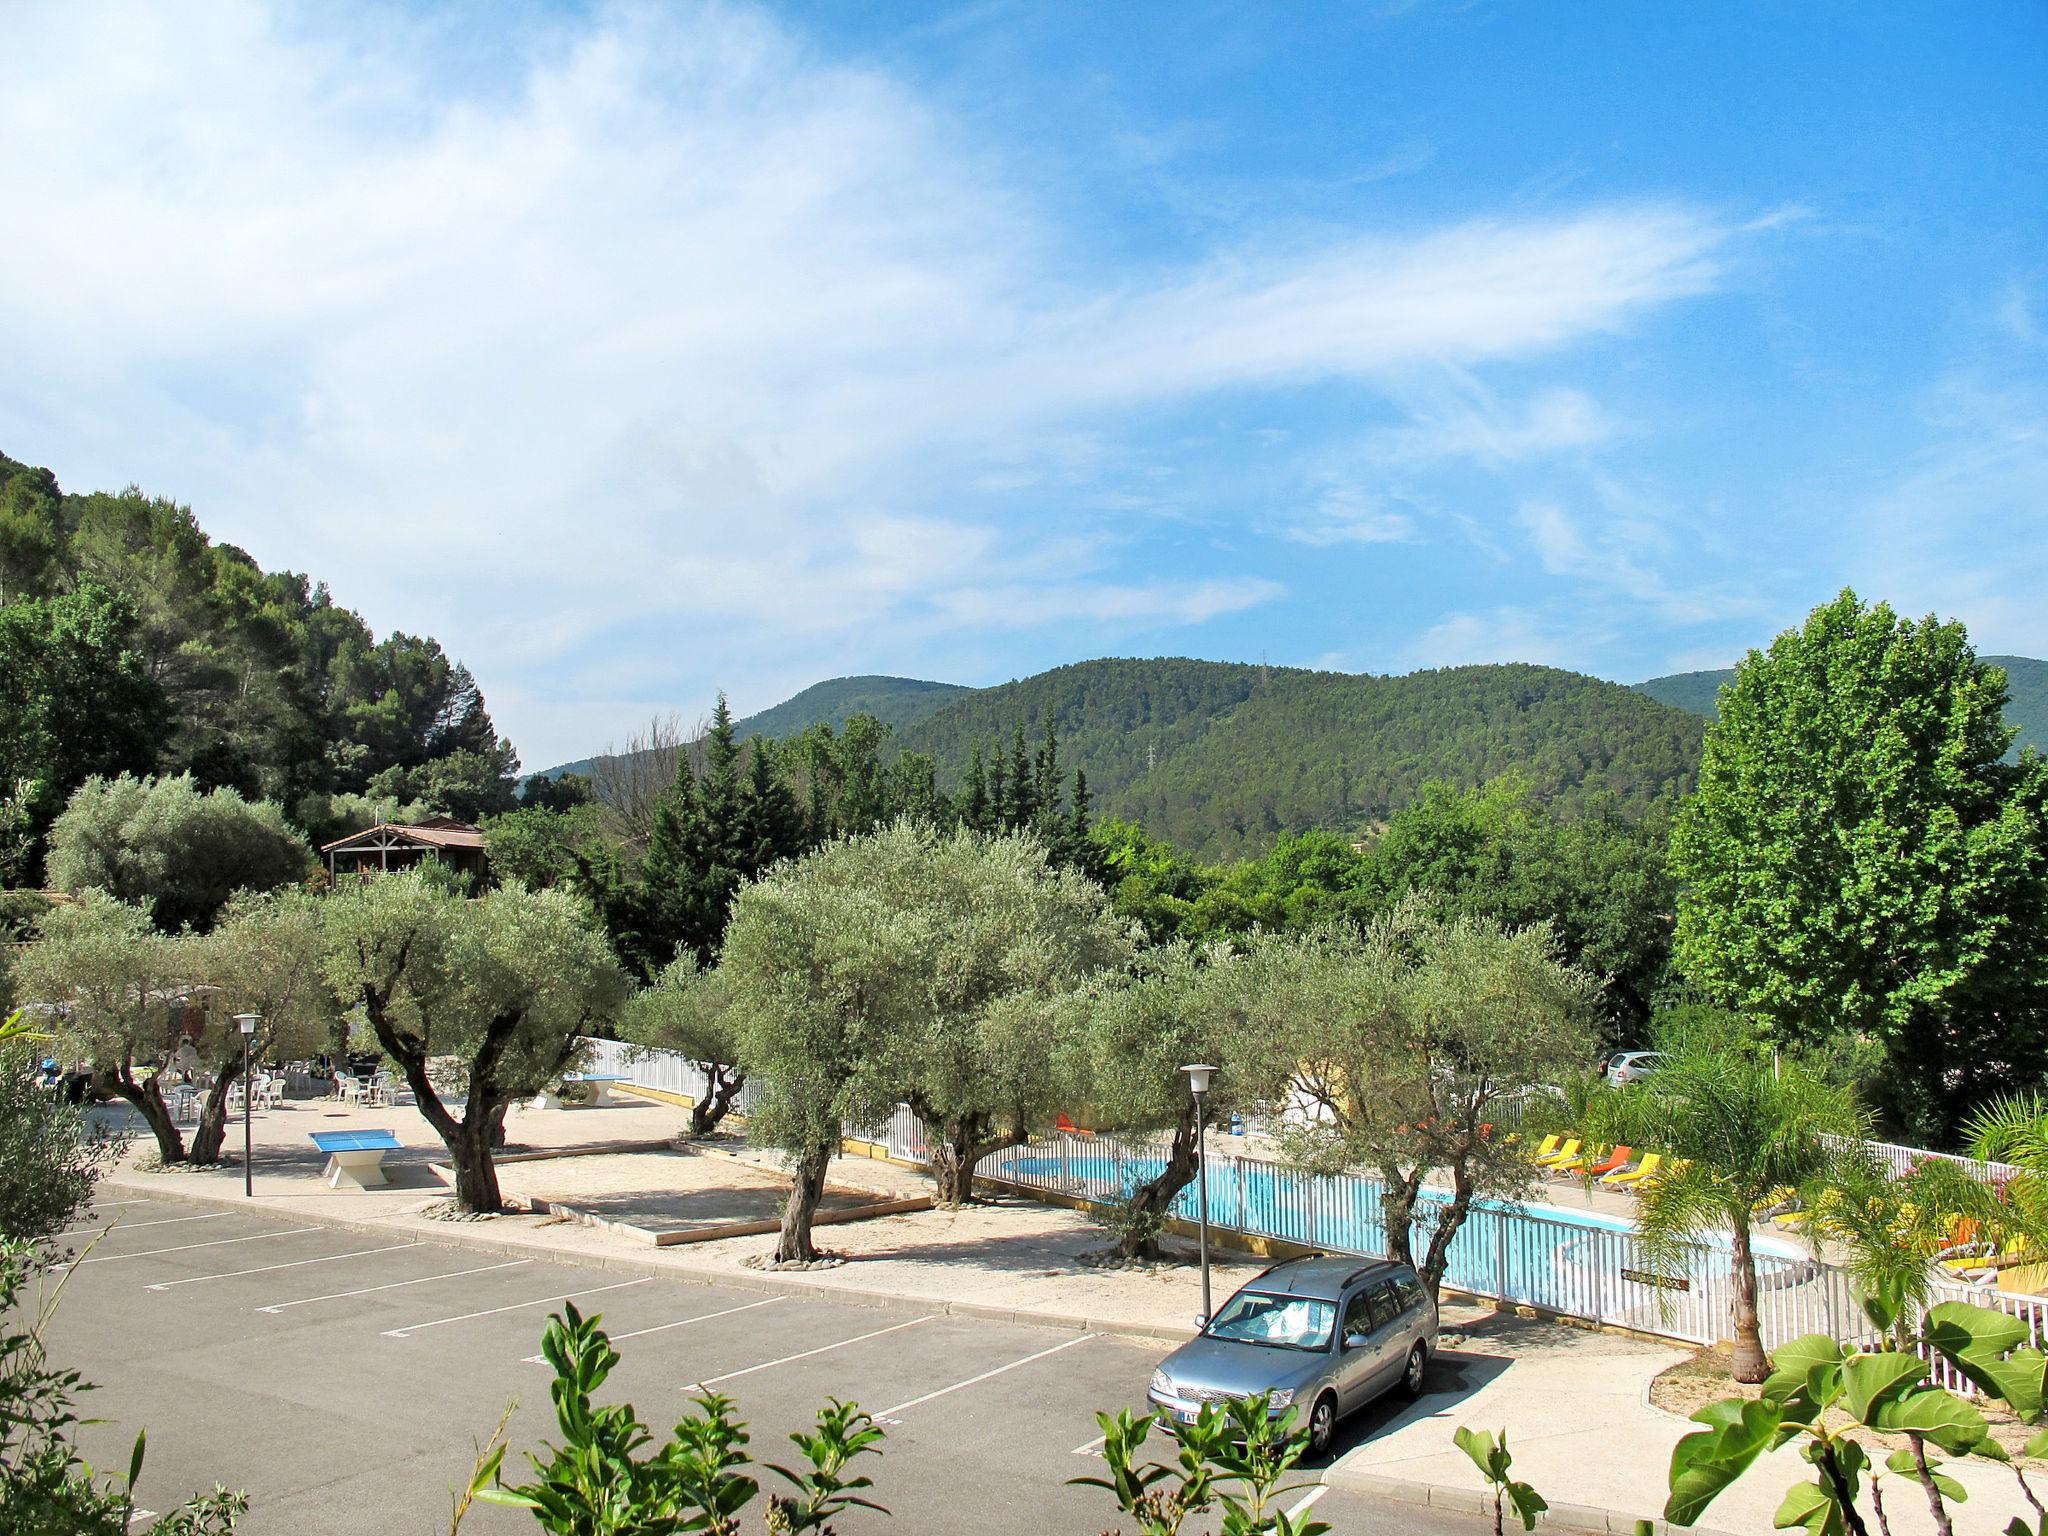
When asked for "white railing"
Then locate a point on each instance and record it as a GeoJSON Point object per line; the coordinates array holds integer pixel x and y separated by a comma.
{"type": "Point", "coordinates": [1506, 1254]}
{"type": "Point", "coordinates": [1899, 1159]}
{"type": "Point", "coordinates": [652, 1067]}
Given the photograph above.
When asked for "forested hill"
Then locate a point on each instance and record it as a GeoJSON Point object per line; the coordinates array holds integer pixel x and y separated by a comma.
{"type": "Point", "coordinates": [895, 701]}
{"type": "Point", "coordinates": [2026, 686]}
{"type": "Point", "coordinates": [129, 640]}
{"type": "Point", "coordinates": [1221, 757]}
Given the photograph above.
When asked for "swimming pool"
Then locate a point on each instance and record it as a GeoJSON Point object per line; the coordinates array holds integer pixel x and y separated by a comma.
{"type": "Point", "coordinates": [1565, 1258]}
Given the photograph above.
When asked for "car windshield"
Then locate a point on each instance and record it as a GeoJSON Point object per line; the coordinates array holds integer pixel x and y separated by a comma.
{"type": "Point", "coordinates": [1284, 1322]}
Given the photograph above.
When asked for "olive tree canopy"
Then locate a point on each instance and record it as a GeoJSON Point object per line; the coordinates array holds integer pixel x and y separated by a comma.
{"type": "Point", "coordinates": [505, 983]}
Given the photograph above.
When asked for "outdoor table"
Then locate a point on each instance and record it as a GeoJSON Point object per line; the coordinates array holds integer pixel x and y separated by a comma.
{"type": "Point", "coordinates": [355, 1158]}
{"type": "Point", "coordinates": [600, 1092]}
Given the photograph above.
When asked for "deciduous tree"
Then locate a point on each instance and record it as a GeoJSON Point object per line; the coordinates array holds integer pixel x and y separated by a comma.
{"type": "Point", "coordinates": [1860, 858]}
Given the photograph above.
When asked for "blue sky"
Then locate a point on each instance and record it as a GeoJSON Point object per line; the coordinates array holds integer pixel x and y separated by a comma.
{"type": "Point", "coordinates": [642, 351]}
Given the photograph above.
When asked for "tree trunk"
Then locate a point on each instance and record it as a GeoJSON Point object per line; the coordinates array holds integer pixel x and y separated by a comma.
{"type": "Point", "coordinates": [476, 1172]}
{"type": "Point", "coordinates": [1146, 1207]}
{"type": "Point", "coordinates": [148, 1099]}
{"type": "Point", "coordinates": [794, 1243]}
{"type": "Point", "coordinates": [1750, 1364]}
{"type": "Point", "coordinates": [1398, 1191]}
{"type": "Point", "coordinates": [726, 1083]}
{"type": "Point", "coordinates": [213, 1118]}
{"type": "Point", "coordinates": [1437, 1258]}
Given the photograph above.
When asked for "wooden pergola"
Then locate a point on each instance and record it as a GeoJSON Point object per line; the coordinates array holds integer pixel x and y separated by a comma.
{"type": "Point", "coordinates": [399, 845]}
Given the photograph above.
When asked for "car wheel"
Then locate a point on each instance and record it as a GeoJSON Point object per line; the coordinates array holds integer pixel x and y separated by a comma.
{"type": "Point", "coordinates": [1418, 1367]}
{"type": "Point", "coordinates": [1322, 1425]}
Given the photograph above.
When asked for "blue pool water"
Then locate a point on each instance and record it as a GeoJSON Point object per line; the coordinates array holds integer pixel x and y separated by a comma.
{"type": "Point", "coordinates": [1547, 1254]}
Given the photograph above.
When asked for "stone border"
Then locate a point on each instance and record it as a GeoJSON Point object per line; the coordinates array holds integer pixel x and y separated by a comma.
{"type": "Point", "coordinates": [674, 1237]}
{"type": "Point", "coordinates": [1474, 1501]}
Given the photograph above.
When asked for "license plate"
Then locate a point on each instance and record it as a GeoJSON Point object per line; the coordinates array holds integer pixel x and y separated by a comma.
{"type": "Point", "coordinates": [1186, 1415]}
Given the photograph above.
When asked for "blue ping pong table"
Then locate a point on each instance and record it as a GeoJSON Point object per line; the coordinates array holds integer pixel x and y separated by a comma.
{"type": "Point", "coordinates": [355, 1158]}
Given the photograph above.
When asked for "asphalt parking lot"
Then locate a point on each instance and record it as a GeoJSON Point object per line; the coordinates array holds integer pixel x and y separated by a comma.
{"type": "Point", "coordinates": [343, 1379]}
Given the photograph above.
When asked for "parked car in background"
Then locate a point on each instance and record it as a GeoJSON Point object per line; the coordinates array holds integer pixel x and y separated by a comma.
{"type": "Point", "coordinates": [1632, 1066]}
{"type": "Point", "coordinates": [1322, 1335]}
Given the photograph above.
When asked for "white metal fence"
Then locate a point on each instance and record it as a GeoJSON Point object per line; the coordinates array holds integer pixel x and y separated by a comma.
{"type": "Point", "coordinates": [1901, 1159]}
{"type": "Point", "coordinates": [651, 1067]}
{"type": "Point", "coordinates": [1515, 1256]}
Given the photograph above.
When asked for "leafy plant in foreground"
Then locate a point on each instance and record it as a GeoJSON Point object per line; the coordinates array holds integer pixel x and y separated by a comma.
{"type": "Point", "coordinates": [595, 1483]}
{"type": "Point", "coordinates": [1233, 1458]}
{"type": "Point", "coordinates": [1819, 1394]}
{"type": "Point", "coordinates": [1490, 1456]}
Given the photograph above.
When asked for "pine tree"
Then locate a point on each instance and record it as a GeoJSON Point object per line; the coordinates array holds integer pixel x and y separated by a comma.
{"type": "Point", "coordinates": [1023, 802]}
{"type": "Point", "coordinates": [772, 825]}
{"type": "Point", "coordinates": [1045, 783]}
{"type": "Point", "coordinates": [974, 810]}
{"type": "Point", "coordinates": [998, 791]}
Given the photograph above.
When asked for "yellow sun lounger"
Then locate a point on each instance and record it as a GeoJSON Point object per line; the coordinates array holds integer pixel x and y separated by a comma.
{"type": "Point", "coordinates": [1628, 1178]}
{"type": "Point", "coordinates": [1563, 1154]}
{"type": "Point", "coordinates": [1548, 1149]}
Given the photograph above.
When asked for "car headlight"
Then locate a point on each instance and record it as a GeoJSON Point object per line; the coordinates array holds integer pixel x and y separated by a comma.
{"type": "Point", "coordinates": [1281, 1398]}
{"type": "Point", "coordinates": [1162, 1384]}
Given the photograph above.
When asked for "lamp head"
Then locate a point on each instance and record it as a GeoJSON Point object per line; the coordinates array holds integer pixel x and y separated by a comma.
{"type": "Point", "coordinates": [247, 1022]}
{"type": "Point", "coordinates": [1198, 1077]}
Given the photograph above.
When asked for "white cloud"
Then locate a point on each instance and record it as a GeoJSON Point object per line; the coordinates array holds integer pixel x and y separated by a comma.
{"type": "Point", "coordinates": [1345, 516]}
{"type": "Point", "coordinates": [1551, 421]}
{"type": "Point", "coordinates": [656, 317]}
{"type": "Point", "coordinates": [1501, 634]}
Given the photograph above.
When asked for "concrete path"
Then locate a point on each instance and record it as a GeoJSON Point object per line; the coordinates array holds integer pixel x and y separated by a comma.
{"type": "Point", "coordinates": [1575, 1407]}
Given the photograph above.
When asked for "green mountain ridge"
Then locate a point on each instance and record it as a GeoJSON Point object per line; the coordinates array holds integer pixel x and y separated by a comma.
{"type": "Point", "coordinates": [2026, 686]}
{"type": "Point", "coordinates": [1221, 758]}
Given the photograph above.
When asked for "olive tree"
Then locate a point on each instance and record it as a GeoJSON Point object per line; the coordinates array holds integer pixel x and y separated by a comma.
{"type": "Point", "coordinates": [823, 962]}
{"type": "Point", "coordinates": [1006, 935]}
{"type": "Point", "coordinates": [171, 847]}
{"type": "Point", "coordinates": [690, 1011]}
{"type": "Point", "coordinates": [117, 985]}
{"type": "Point", "coordinates": [1125, 1040]}
{"type": "Point", "coordinates": [506, 984]}
{"type": "Point", "coordinates": [266, 955]}
{"type": "Point", "coordinates": [1405, 1047]}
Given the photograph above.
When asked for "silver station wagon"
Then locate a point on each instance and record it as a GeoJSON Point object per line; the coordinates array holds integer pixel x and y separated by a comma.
{"type": "Point", "coordinates": [1323, 1335]}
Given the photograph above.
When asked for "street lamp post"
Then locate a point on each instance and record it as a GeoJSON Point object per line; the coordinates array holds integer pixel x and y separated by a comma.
{"type": "Point", "coordinates": [247, 1022]}
{"type": "Point", "coordinates": [1198, 1080]}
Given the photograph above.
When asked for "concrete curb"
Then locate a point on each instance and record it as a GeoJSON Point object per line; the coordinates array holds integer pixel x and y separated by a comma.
{"type": "Point", "coordinates": [1473, 1501]}
{"type": "Point", "coordinates": [466, 1235]}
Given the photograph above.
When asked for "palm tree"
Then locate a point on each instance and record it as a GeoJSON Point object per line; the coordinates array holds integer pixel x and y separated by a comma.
{"type": "Point", "coordinates": [2014, 1130]}
{"type": "Point", "coordinates": [1734, 1131]}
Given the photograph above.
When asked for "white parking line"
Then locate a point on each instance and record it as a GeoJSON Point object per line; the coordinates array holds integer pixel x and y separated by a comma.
{"type": "Point", "coordinates": [1092, 1448]}
{"type": "Point", "coordinates": [452, 1274]}
{"type": "Point", "coordinates": [1302, 1503]}
{"type": "Point", "coordinates": [712, 1381]}
{"type": "Point", "coordinates": [108, 1205]}
{"type": "Point", "coordinates": [137, 1226]}
{"type": "Point", "coordinates": [888, 1415]}
{"type": "Point", "coordinates": [218, 1242]}
{"type": "Point", "coordinates": [264, 1269]}
{"type": "Point", "coordinates": [539, 1301]}
{"type": "Point", "coordinates": [641, 1333]}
